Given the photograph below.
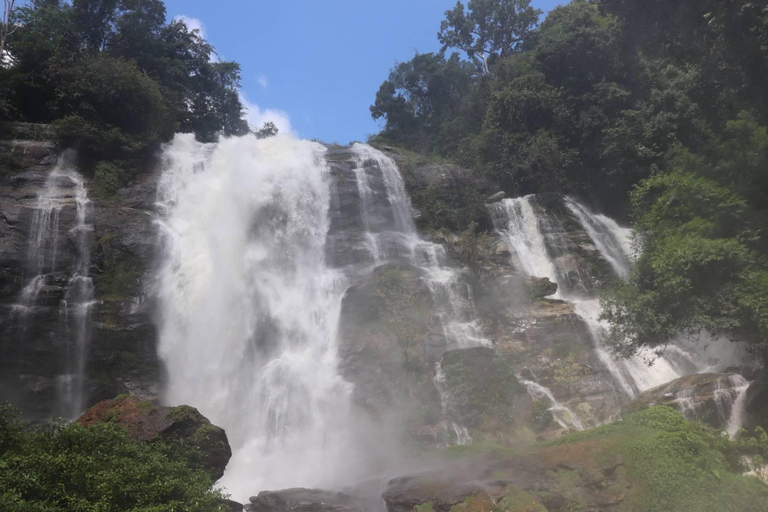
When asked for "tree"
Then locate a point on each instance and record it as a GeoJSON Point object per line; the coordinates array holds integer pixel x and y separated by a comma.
{"type": "Point", "coordinates": [489, 29]}
{"type": "Point", "coordinates": [702, 263]}
{"type": "Point", "coordinates": [7, 27]}
{"type": "Point", "coordinates": [267, 130]}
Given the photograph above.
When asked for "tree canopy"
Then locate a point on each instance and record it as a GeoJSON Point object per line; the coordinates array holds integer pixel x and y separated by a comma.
{"type": "Point", "coordinates": [116, 79]}
{"type": "Point", "coordinates": [651, 110]}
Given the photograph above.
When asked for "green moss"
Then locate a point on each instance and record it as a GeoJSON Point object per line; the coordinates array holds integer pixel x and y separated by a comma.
{"type": "Point", "coordinates": [481, 385]}
{"type": "Point", "coordinates": [424, 507]}
{"type": "Point", "coordinates": [119, 277]}
{"type": "Point", "coordinates": [180, 412]}
{"type": "Point", "coordinates": [518, 500]}
{"type": "Point", "coordinates": [9, 165]}
{"type": "Point", "coordinates": [674, 465]}
{"type": "Point", "coordinates": [542, 417]}
{"type": "Point", "coordinates": [107, 180]}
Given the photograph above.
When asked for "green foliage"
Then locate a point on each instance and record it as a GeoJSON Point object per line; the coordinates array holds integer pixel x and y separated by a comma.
{"type": "Point", "coordinates": [481, 385]}
{"type": "Point", "coordinates": [268, 130]}
{"type": "Point", "coordinates": [70, 467]}
{"type": "Point", "coordinates": [542, 417]}
{"type": "Point", "coordinates": [107, 180]}
{"type": "Point", "coordinates": [676, 465]}
{"type": "Point", "coordinates": [591, 101]}
{"type": "Point", "coordinates": [116, 79]}
{"type": "Point", "coordinates": [489, 29]}
{"type": "Point", "coordinates": [517, 499]}
{"type": "Point", "coordinates": [119, 277]}
{"type": "Point", "coordinates": [702, 264]}
{"type": "Point", "coordinates": [403, 309]}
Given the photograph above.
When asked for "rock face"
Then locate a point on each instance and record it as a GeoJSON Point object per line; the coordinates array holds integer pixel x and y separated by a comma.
{"type": "Point", "coordinates": [706, 397]}
{"type": "Point", "coordinates": [36, 336]}
{"type": "Point", "coordinates": [147, 422]}
{"type": "Point", "coordinates": [756, 400]}
{"type": "Point", "coordinates": [303, 500]}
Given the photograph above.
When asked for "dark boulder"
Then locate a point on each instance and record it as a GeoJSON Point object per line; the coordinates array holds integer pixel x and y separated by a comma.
{"type": "Point", "coordinates": [303, 500]}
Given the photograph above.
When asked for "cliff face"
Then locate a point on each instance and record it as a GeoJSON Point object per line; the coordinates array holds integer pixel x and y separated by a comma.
{"type": "Point", "coordinates": [40, 253]}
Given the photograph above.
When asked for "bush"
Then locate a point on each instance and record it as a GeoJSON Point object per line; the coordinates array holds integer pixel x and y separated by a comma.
{"type": "Point", "coordinates": [61, 466]}
{"type": "Point", "coordinates": [107, 180]}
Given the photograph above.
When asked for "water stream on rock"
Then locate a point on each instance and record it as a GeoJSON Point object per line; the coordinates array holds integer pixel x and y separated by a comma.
{"type": "Point", "coordinates": [46, 273]}
{"type": "Point", "coordinates": [527, 230]}
{"type": "Point", "coordinates": [392, 234]}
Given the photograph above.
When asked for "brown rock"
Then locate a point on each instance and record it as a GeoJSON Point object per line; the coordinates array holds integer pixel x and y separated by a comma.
{"type": "Point", "coordinates": [148, 422]}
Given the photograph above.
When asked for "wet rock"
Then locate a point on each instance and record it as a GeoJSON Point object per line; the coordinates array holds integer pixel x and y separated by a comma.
{"type": "Point", "coordinates": [756, 401]}
{"type": "Point", "coordinates": [498, 196]}
{"type": "Point", "coordinates": [706, 397]}
{"type": "Point", "coordinates": [540, 287]}
{"type": "Point", "coordinates": [147, 422]}
{"type": "Point", "coordinates": [303, 500]}
{"type": "Point", "coordinates": [405, 493]}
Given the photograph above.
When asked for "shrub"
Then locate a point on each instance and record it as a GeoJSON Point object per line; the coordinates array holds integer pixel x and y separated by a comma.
{"type": "Point", "coordinates": [60, 466]}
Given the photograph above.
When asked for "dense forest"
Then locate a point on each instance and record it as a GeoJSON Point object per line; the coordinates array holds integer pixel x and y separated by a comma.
{"type": "Point", "coordinates": [652, 110]}
{"type": "Point", "coordinates": [115, 79]}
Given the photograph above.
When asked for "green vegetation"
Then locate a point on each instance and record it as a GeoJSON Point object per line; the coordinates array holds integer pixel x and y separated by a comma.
{"type": "Point", "coordinates": [648, 108]}
{"type": "Point", "coordinates": [673, 465]}
{"type": "Point", "coordinates": [481, 385]}
{"type": "Point", "coordinates": [403, 310]}
{"type": "Point", "coordinates": [119, 276]}
{"type": "Point", "coordinates": [115, 79]}
{"type": "Point", "coordinates": [71, 467]}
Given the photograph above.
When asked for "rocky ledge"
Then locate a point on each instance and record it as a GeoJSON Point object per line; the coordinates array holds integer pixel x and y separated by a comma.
{"type": "Point", "coordinates": [147, 422]}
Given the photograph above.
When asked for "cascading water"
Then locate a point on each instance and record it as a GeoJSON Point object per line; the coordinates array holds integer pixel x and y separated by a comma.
{"type": "Point", "coordinates": [519, 223]}
{"type": "Point", "coordinates": [452, 431]}
{"type": "Point", "coordinates": [62, 185]}
{"type": "Point", "coordinates": [392, 234]}
{"type": "Point", "coordinates": [250, 308]}
{"type": "Point", "coordinates": [77, 304]}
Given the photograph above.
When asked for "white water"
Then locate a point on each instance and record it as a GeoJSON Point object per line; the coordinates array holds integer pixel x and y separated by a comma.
{"type": "Point", "coordinates": [564, 416]}
{"type": "Point", "coordinates": [63, 185]}
{"type": "Point", "coordinates": [612, 240]}
{"type": "Point", "coordinates": [77, 304]}
{"type": "Point", "coordinates": [523, 229]}
{"type": "Point", "coordinates": [250, 308]}
{"type": "Point", "coordinates": [392, 234]}
{"type": "Point", "coordinates": [456, 433]}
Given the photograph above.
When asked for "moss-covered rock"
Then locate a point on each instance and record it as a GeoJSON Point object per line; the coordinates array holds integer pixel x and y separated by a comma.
{"type": "Point", "coordinates": [147, 422]}
{"type": "Point", "coordinates": [480, 385]}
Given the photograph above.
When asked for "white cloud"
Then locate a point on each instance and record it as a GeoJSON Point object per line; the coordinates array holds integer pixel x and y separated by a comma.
{"type": "Point", "coordinates": [256, 116]}
{"type": "Point", "coordinates": [262, 80]}
{"type": "Point", "coordinates": [191, 23]}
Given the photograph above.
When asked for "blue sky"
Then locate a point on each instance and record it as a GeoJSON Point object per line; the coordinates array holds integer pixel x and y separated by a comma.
{"type": "Point", "coordinates": [314, 66]}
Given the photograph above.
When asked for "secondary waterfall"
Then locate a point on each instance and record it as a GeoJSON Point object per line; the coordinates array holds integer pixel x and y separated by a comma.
{"type": "Point", "coordinates": [250, 308]}
{"type": "Point", "coordinates": [526, 229]}
{"type": "Point", "coordinates": [391, 233]}
{"type": "Point", "coordinates": [48, 274]}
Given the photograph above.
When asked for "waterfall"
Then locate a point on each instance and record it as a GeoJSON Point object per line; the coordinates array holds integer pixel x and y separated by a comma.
{"type": "Point", "coordinates": [388, 221]}
{"type": "Point", "coordinates": [250, 308]}
{"type": "Point", "coordinates": [77, 304]}
{"type": "Point", "coordinates": [564, 416]}
{"type": "Point", "coordinates": [44, 269]}
{"type": "Point", "coordinates": [612, 240]}
{"type": "Point", "coordinates": [524, 229]}
{"type": "Point", "coordinates": [454, 432]}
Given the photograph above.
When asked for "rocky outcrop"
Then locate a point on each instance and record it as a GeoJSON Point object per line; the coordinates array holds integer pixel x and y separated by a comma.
{"type": "Point", "coordinates": [706, 397]}
{"type": "Point", "coordinates": [756, 400]}
{"type": "Point", "coordinates": [147, 422]}
{"type": "Point", "coordinates": [304, 500]}
{"type": "Point", "coordinates": [121, 355]}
